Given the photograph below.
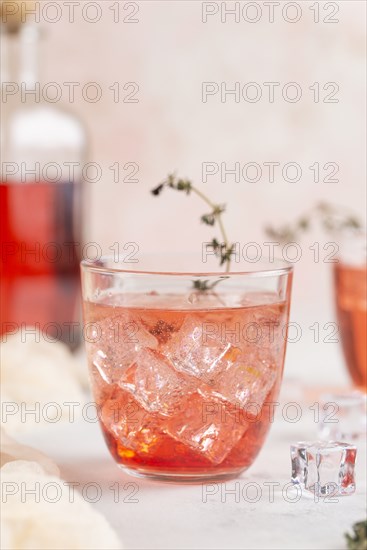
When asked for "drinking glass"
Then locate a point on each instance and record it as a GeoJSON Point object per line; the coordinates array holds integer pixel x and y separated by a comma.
{"type": "Point", "coordinates": [350, 286]}
{"type": "Point", "coordinates": [184, 378]}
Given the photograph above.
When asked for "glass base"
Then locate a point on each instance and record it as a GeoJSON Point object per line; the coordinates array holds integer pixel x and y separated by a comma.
{"type": "Point", "coordinates": [169, 477]}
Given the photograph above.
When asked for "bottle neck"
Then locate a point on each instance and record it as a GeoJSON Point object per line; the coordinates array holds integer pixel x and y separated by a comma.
{"type": "Point", "coordinates": [19, 56]}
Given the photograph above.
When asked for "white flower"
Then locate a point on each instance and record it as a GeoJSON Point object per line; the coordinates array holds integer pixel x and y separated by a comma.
{"type": "Point", "coordinates": [35, 374]}
{"type": "Point", "coordinates": [40, 513]}
{"type": "Point", "coordinates": [11, 450]}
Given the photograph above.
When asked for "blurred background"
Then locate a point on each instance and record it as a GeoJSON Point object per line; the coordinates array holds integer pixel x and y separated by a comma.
{"type": "Point", "coordinates": [141, 109]}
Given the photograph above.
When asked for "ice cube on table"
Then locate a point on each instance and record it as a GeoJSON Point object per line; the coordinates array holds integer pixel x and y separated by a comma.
{"type": "Point", "coordinates": [193, 350]}
{"type": "Point", "coordinates": [154, 383]}
{"type": "Point", "coordinates": [325, 468]}
{"type": "Point", "coordinates": [115, 344]}
{"type": "Point", "coordinates": [343, 416]}
{"type": "Point", "coordinates": [209, 426]}
{"type": "Point", "coordinates": [123, 417]}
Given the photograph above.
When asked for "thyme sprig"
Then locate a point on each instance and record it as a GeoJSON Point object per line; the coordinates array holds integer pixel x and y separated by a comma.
{"type": "Point", "coordinates": [332, 219]}
{"type": "Point", "coordinates": [204, 286]}
{"type": "Point", "coordinates": [224, 249]}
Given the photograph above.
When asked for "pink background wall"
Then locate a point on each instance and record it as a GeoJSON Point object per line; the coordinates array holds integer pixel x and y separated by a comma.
{"type": "Point", "coordinates": [169, 52]}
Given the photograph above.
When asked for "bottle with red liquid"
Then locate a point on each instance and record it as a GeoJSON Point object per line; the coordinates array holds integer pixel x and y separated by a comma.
{"type": "Point", "coordinates": [42, 154]}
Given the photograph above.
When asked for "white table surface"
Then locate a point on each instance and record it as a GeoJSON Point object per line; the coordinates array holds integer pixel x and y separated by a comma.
{"type": "Point", "coordinates": [176, 516]}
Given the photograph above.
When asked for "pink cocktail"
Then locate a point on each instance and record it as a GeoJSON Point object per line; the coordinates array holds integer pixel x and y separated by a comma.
{"type": "Point", "coordinates": [185, 381]}
{"type": "Point", "coordinates": [351, 303]}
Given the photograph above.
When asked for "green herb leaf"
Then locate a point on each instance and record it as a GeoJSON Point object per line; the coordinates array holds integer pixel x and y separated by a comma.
{"type": "Point", "coordinates": [208, 219]}
{"type": "Point", "coordinates": [205, 286]}
{"type": "Point", "coordinates": [358, 540]}
{"type": "Point", "coordinates": [157, 190]}
{"type": "Point", "coordinates": [200, 285]}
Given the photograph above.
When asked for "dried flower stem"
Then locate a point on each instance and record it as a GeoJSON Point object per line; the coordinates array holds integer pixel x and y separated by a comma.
{"type": "Point", "coordinates": [224, 249]}
{"type": "Point", "coordinates": [331, 218]}
{"type": "Point", "coordinates": [219, 220]}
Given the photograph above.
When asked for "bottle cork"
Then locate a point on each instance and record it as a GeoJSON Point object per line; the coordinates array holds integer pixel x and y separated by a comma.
{"type": "Point", "coordinates": [14, 13]}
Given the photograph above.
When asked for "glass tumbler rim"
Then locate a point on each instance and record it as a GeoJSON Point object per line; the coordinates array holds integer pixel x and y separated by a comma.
{"type": "Point", "coordinates": [108, 265]}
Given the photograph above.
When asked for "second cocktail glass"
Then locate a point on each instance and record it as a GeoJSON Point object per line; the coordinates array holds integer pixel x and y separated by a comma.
{"type": "Point", "coordinates": [350, 287]}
